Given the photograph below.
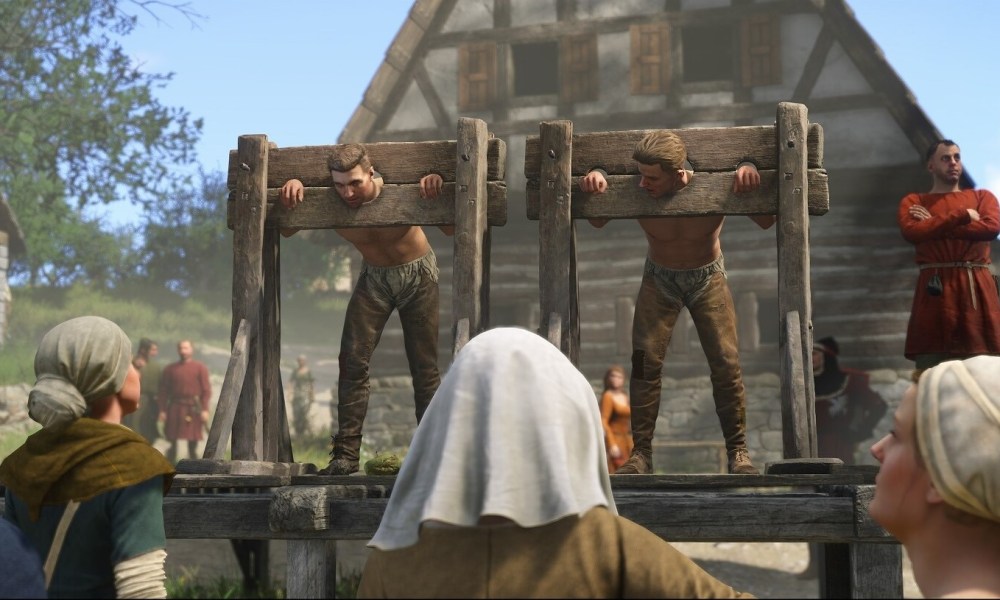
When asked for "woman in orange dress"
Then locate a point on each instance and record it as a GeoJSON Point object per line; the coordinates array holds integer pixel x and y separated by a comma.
{"type": "Point", "coordinates": [616, 415]}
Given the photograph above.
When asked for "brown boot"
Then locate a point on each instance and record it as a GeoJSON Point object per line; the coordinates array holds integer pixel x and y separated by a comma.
{"type": "Point", "coordinates": [344, 458]}
{"type": "Point", "coordinates": [739, 463]}
{"type": "Point", "coordinates": [637, 464]}
{"type": "Point", "coordinates": [340, 466]}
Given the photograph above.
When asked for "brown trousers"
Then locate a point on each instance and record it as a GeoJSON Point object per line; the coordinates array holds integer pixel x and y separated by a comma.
{"type": "Point", "coordinates": [412, 289]}
{"type": "Point", "coordinates": [662, 295]}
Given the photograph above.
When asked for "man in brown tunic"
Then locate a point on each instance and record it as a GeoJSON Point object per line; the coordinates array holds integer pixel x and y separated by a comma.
{"type": "Point", "coordinates": [184, 396]}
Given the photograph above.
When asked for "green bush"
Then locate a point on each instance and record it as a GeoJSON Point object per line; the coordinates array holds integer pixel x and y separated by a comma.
{"type": "Point", "coordinates": [188, 585]}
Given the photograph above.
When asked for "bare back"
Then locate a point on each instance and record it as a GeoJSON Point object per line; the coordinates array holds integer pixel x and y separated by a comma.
{"type": "Point", "coordinates": [683, 242]}
{"type": "Point", "coordinates": [388, 246]}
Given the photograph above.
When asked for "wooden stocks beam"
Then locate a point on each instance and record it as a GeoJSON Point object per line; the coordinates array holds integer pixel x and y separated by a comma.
{"type": "Point", "coordinates": [248, 287]}
{"type": "Point", "coordinates": [470, 230]}
{"type": "Point", "coordinates": [557, 276]}
{"type": "Point", "coordinates": [794, 292]}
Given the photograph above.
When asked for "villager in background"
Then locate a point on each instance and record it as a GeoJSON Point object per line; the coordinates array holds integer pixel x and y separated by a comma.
{"type": "Point", "coordinates": [847, 408]}
{"type": "Point", "coordinates": [956, 306]}
{"type": "Point", "coordinates": [147, 417]}
{"type": "Point", "coordinates": [303, 396]}
{"type": "Point", "coordinates": [400, 273]}
{"type": "Point", "coordinates": [184, 395]}
{"type": "Point", "coordinates": [847, 411]}
{"type": "Point", "coordinates": [938, 489]}
{"type": "Point", "coordinates": [87, 491]}
{"type": "Point", "coordinates": [684, 267]}
{"type": "Point", "coordinates": [616, 417]}
{"type": "Point", "coordinates": [505, 492]}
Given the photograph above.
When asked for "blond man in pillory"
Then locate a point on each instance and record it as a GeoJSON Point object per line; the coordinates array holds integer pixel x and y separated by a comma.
{"type": "Point", "coordinates": [938, 488]}
{"type": "Point", "coordinates": [399, 273]}
{"type": "Point", "coordinates": [684, 267]}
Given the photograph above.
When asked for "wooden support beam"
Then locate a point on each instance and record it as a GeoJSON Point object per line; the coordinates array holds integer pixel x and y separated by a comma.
{"type": "Point", "coordinates": [276, 444]}
{"type": "Point", "coordinates": [250, 205]}
{"type": "Point", "coordinates": [707, 194]}
{"type": "Point", "coordinates": [794, 404]}
{"type": "Point", "coordinates": [709, 149]}
{"type": "Point", "coordinates": [398, 162]}
{"type": "Point", "coordinates": [794, 292]}
{"type": "Point", "coordinates": [232, 386]}
{"type": "Point", "coordinates": [322, 208]}
{"type": "Point", "coordinates": [470, 224]}
{"type": "Point", "coordinates": [556, 274]}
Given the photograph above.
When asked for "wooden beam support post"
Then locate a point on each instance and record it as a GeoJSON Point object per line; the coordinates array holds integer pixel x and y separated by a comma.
{"type": "Point", "coordinates": [794, 293]}
{"type": "Point", "coordinates": [470, 228]}
{"type": "Point", "coordinates": [276, 438]}
{"type": "Point", "coordinates": [232, 387]}
{"type": "Point", "coordinates": [557, 277]}
{"type": "Point", "coordinates": [248, 287]}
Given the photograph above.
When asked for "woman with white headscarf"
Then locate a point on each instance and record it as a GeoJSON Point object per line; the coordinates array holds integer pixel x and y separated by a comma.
{"type": "Point", "coordinates": [87, 491]}
{"type": "Point", "coordinates": [938, 489]}
{"type": "Point", "coordinates": [505, 492]}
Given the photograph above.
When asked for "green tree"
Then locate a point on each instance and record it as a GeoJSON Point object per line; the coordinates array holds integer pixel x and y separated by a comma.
{"type": "Point", "coordinates": [80, 125]}
{"type": "Point", "coordinates": [189, 248]}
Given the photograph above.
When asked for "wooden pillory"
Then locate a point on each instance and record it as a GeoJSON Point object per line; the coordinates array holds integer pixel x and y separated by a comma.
{"type": "Point", "coordinates": [261, 495]}
{"type": "Point", "coordinates": [473, 199]}
{"type": "Point", "coordinates": [789, 157]}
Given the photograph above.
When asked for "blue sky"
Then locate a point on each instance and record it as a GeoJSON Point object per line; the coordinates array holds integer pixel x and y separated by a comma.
{"type": "Point", "coordinates": [296, 70]}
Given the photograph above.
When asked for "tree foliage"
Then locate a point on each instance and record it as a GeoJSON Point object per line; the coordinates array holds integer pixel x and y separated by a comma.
{"type": "Point", "coordinates": [188, 246]}
{"type": "Point", "coordinates": [80, 125]}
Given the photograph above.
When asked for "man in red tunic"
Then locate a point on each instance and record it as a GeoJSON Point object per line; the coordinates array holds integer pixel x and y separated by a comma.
{"type": "Point", "coordinates": [956, 306]}
{"type": "Point", "coordinates": [184, 399]}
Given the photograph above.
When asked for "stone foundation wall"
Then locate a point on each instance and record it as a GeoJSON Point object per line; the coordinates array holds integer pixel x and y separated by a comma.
{"type": "Point", "coordinates": [687, 414]}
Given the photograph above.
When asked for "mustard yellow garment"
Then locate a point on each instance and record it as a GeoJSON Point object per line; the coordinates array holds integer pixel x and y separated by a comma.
{"type": "Point", "coordinates": [599, 555]}
{"type": "Point", "coordinates": [85, 459]}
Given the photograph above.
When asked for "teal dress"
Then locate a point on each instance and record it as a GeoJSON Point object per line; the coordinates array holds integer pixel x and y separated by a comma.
{"type": "Point", "coordinates": [111, 527]}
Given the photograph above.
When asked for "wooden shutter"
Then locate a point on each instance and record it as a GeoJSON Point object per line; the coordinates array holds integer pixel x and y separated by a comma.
{"type": "Point", "coordinates": [761, 45]}
{"type": "Point", "coordinates": [650, 62]}
{"type": "Point", "coordinates": [578, 68]}
{"type": "Point", "coordinates": [477, 75]}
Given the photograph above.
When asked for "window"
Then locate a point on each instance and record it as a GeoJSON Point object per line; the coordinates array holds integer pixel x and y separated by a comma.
{"type": "Point", "coordinates": [578, 72]}
{"type": "Point", "coordinates": [536, 68]}
{"type": "Point", "coordinates": [708, 53]}
{"type": "Point", "coordinates": [761, 45]}
{"type": "Point", "coordinates": [477, 68]}
{"type": "Point", "coordinates": [650, 58]}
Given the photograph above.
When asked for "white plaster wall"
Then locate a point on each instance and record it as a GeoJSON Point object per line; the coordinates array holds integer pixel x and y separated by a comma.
{"type": "Point", "coordinates": [442, 68]}
{"type": "Point", "coordinates": [614, 96]}
{"type": "Point", "coordinates": [515, 162]}
{"type": "Point", "coordinates": [798, 36]}
{"type": "Point", "coordinates": [840, 76]}
{"type": "Point", "coordinates": [596, 9]}
{"type": "Point", "coordinates": [413, 112]}
{"type": "Point", "coordinates": [470, 14]}
{"type": "Point", "coordinates": [706, 99]}
{"type": "Point", "coordinates": [531, 12]}
{"type": "Point", "coordinates": [863, 138]}
{"type": "Point", "coordinates": [534, 113]}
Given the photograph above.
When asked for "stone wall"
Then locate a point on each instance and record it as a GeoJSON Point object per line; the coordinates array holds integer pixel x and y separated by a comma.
{"type": "Point", "coordinates": [687, 414]}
